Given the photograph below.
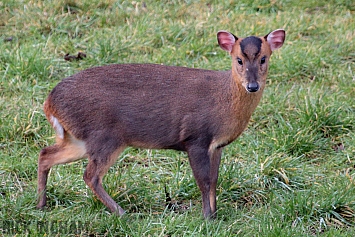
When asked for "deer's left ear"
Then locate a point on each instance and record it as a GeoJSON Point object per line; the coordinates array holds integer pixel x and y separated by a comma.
{"type": "Point", "coordinates": [276, 38]}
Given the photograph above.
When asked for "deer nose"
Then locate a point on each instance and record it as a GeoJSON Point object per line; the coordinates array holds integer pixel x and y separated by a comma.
{"type": "Point", "coordinates": [253, 87]}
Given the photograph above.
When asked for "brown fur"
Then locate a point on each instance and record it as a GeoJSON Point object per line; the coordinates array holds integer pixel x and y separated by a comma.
{"type": "Point", "coordinates": [100, 111]}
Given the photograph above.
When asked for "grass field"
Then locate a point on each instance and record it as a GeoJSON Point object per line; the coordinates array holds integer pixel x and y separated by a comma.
{"type": "Point", "coordinates": [290, 174]}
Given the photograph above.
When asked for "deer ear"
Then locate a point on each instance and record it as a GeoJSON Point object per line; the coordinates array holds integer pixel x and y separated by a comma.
{"type": "Point", "coordinates": [275, 39]}
{"type": "Point", "coordinates": [226, 40]}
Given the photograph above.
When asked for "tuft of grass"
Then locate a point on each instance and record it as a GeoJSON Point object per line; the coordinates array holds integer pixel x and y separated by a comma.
{"type": "Point", "coordinates": [291, 173]}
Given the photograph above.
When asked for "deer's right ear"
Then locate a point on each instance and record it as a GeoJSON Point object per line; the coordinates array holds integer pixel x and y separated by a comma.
{"type": "Point", "coordinates": [226, 40]}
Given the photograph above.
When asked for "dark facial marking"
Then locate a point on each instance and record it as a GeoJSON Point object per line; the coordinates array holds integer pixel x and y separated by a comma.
{"type": "Point", "coordinates": [251, 46]}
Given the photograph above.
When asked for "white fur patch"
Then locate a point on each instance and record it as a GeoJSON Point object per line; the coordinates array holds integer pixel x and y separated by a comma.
{"type": "Point", "coordinates": [216, 143]}
{"type": "Point", "coordinates": [57, 127]}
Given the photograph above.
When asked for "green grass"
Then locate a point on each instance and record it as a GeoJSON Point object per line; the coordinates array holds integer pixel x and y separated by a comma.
{"type": "Point", "coordinates": [290, 174]}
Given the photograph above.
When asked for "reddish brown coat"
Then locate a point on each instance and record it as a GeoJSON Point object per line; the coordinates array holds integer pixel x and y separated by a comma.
{"type": "Point", "coordinates": [100, 111]}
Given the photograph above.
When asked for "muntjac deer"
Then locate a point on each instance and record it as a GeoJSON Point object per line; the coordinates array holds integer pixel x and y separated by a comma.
{"type": "Point", "coordinates": [100, 111]}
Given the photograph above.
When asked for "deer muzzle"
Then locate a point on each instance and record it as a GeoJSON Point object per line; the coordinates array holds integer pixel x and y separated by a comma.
{"type": "Point", "coordinates": [253, 87]}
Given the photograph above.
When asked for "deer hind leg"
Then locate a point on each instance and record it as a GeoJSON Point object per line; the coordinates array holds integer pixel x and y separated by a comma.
{"type": "Point", "coordinates": [100, 160]}
{"type": "Point", "coordinates": [64, 151]}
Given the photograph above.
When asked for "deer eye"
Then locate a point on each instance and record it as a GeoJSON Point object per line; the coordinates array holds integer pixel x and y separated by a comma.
{"type": "Point", "coordinates": [263, 60]}
{"type": "Point", "coordinates": [240, 62]}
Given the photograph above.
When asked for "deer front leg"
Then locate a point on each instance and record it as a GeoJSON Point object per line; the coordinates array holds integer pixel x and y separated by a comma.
{"type": "Point", "coordinates": [200, 164]}
{"type": "Point", "coordinates": [215, 159]}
